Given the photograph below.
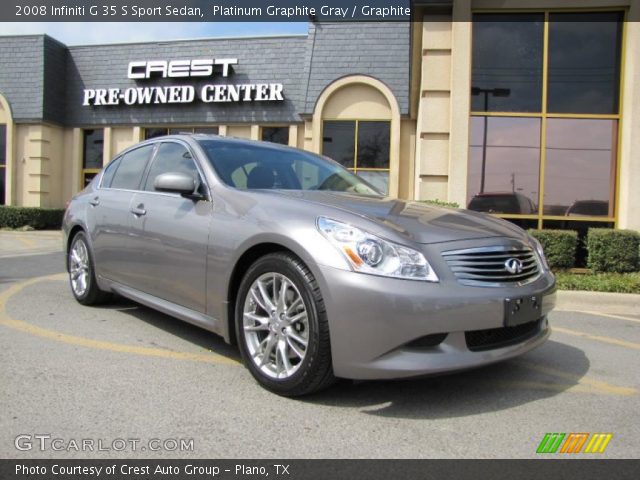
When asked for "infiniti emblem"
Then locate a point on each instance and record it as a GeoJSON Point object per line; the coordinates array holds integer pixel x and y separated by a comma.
{"type": "Point", "coordinates": [513, 265]}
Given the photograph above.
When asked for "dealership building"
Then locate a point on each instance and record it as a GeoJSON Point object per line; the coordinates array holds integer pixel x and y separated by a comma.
{"type": "Point", "coordinates": [512, 107]}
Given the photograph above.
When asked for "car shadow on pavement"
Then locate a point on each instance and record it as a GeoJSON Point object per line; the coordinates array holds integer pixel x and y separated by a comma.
{"type": "Point", "coordinates": [545, 372]}
{"type": "Point", "coordinates": [190, 333]}
{"type": "Point", "coordinates": [548, 371]}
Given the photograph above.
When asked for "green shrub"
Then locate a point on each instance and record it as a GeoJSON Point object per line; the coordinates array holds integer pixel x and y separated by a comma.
{"type": "Point", "coordinates": [441, 203]}
{"type": "Point", "coordinates": [38, 218]}
{"type": "Point", "coordinates": [559, 246]}
{"type": "Point", "coordinates": [613, 250]}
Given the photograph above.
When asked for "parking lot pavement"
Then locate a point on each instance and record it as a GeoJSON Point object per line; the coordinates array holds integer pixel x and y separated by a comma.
{"type": "Point", "coordinates": [14, 243]}
{"type": "Point", "coordinates": [125, 371]}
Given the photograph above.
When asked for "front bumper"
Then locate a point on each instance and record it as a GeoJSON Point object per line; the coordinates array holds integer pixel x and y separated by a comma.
{"type": "Point", "coordinates": [376, 322]}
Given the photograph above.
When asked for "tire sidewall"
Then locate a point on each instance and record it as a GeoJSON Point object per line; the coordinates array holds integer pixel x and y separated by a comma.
{"type": "Point", "coordinates": [285, 266]}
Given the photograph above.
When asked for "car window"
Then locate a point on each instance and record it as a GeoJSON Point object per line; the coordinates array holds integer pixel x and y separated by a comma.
{"type": "Point", "coordinates": [109, 172]}
{"type": "Point", "coordinates": [495, 203]}
{"type": "Point", "coordinates": [253, 166]}
{"type": "Point", "coordinates": [129, 173]}
{"type": "Point", "coordinates": [171, 157]}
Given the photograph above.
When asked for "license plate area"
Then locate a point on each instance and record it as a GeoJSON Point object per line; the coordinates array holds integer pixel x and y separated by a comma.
{"type": "Point", "coordinates": [521, 310]}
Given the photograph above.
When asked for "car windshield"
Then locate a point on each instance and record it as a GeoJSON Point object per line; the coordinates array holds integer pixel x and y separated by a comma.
{"type": "Point", "coordinates": [251, 167]}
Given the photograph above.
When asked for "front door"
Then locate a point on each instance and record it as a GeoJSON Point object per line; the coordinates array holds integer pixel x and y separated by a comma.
{"type": "Point", "coordinates": [170, 234]}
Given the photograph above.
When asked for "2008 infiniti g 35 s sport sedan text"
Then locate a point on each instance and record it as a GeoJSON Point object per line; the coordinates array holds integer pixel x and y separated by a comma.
{"type": "Point", "coordinates": [307, 267]}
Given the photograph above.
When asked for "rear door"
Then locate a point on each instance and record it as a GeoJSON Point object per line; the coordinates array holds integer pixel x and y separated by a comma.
{"type": "Point", "coordinates": [170, 233]}
{"type": "Point", "coordinates": [109, 216]}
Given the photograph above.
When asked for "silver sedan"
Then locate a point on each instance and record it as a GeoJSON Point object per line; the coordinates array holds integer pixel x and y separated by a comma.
{"type": "Point", "coordinates": [306, 267]}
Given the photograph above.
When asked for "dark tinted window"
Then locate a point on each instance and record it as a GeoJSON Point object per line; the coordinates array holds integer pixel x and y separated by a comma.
{"type": "Point", "coordinates": [2, 183]}
{"type": "Point", "coordinates": [338, 141]}
{"type": "Point", "coordinates": [3, 145]}
{"type": "Point", "coordinates": [580, 167]}
{"type": "Point", "coordinates": [507, 62]}
{"type": "Point", "coordinates": [276, 135]}
{"type": "Point", "coordinates": [524, 223]}
{"type": "Point", "coordinates": [373, 144]}
{"type": "Point", "coordinates": [504, 164]}
{"type": "Point", "coordinates": [92, 152]}
{"type": "Point", "coordinates": [207, 130]}
{"type": "Point", "coordinates": [129, 173]}
{"type": "Point", "coordinates": [584, 62]}
{"type": "Point", "coordinates": [171, 157]}
{"type": "Point", "coordinates": [109, 172]}
{"type": "Point", "coordinates": [155, 132]}
{"type": "Point", "coordinates": [3, 162]}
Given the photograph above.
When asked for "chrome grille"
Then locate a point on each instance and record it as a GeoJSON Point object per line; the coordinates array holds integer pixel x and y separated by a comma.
{"type": "Point", "coordinates": [487, 266]}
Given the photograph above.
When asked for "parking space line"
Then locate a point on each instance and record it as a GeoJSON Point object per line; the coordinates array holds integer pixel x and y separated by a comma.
{"type": "Point", "coordinates": [598, 314]}
{"type": "Point", "coordinates": [598, 338]}
{"type": "Point", "coordinates": [560, 387]}
{"type": "Point", "coordinates": [584, 382]}
{"type": "Point", "coordinates": [25, 241]}
{"type": "Point", "coordinates": [578, 384]}
{"type": "Point", "coordinates": [26, 327]}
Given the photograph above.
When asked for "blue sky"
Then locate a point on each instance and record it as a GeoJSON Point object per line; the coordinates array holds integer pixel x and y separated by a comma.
{"type": "Point", "coordinates": [94, 33]}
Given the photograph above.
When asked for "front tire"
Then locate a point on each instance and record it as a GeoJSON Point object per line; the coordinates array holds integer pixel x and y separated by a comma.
{"type": "Point", "coordinates": [82, 277]}
{"type": "Point", "coordinates": [282, 328]}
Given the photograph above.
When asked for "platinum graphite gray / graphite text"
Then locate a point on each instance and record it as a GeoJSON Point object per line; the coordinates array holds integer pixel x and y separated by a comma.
{"type": "Point", "coordinates": [273, 11]}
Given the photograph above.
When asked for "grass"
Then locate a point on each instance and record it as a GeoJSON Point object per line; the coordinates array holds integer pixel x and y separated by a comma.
{"type": "Point", "coordinates": [599, 282]}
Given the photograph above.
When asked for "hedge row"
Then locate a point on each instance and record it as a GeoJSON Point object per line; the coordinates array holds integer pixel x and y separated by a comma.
{"type": "Point", "coordinates": [38, 218]}
{"type": "Point", "coordinates": [615, 251]}
{"type": "Point", "coordinates": [559, 246]}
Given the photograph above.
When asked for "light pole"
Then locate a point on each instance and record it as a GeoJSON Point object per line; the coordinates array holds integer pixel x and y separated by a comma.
{"type": "Point", "coordinates": [496, 92]}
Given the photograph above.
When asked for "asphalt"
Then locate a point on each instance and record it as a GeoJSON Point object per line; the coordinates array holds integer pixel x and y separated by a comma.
{"type": "Point", "coordinates": [123, 371]}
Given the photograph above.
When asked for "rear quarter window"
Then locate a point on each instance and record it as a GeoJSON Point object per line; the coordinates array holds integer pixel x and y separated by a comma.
{"type": "Point", "coordinates": [128, 174]}
{"type": "Point", "coordinates": [109, 172]}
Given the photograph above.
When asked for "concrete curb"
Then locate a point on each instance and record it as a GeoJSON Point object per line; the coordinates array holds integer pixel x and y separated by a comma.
{"type": "Point", "coordinates": [613, 303]}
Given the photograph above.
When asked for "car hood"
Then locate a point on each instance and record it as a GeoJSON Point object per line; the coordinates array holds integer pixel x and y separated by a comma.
{"type": "Point", "coordinates": [419, 222]}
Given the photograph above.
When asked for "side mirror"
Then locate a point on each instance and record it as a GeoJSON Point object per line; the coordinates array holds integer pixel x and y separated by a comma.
{"type": "Point", "coordinates": [175, 182]}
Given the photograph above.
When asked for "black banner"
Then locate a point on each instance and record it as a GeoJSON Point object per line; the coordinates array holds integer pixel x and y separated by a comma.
{"type": "Point", "coordinates": [205, 10]}
{"type": "Point", "coordinates": [318, 469]}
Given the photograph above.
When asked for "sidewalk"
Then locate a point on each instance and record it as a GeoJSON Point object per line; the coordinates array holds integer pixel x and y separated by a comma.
{"type": "Point", "coordinates": [15, 243]}
{"type": "Point", "coordinates": [599, 302]}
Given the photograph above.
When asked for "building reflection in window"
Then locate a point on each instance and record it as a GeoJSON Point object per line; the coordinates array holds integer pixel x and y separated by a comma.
{"type": "Point", "coordinates": [580, 167]}
{"type": "Point", "coordinates": [511, 174]}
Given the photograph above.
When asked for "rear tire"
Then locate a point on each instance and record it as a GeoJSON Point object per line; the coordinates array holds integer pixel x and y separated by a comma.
{"type": "Point", "coordinates": [282, 327]}
{"type": "Point", "coordinates": [82, 277]}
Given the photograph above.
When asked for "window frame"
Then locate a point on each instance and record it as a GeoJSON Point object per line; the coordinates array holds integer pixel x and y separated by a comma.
{"type": "Point", "coordinates": [88, 171]}
{"type": "Point", "coordinates": [121, 156]}
{"type": "Point", "coordinates": [544, 115]}
{"type": "Point", "coordinates": [355, 168]}
{"type": "Point", "coordinates": [145, 175]}
{"type": "Point", "coordinates": [152, 159]}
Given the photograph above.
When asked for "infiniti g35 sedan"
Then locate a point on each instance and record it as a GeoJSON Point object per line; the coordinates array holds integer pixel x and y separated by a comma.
{"type": "Point", "coordinates": [305, 266]}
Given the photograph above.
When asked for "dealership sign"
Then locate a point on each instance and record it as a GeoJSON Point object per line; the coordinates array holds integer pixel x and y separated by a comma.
{"type": "Point", "coordinates": [177, 69]}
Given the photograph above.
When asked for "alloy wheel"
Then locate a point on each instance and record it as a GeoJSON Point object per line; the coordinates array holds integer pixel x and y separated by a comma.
{"type": "Point", "coordinates": [276, 325]}
{"type": "Point", "coordinates": [79, 267]}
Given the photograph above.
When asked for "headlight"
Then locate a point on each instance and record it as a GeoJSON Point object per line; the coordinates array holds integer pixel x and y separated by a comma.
{"type": "Point", "coordinates": [367, 253]}
{"type": "Point", "coordinates": [538, 248]}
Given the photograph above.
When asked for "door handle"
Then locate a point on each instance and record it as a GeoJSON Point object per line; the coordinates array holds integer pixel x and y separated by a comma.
{"type": "Point", "coordinates": [94, 201]}
{"type": "Point", "coordinates": [139, 210]}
